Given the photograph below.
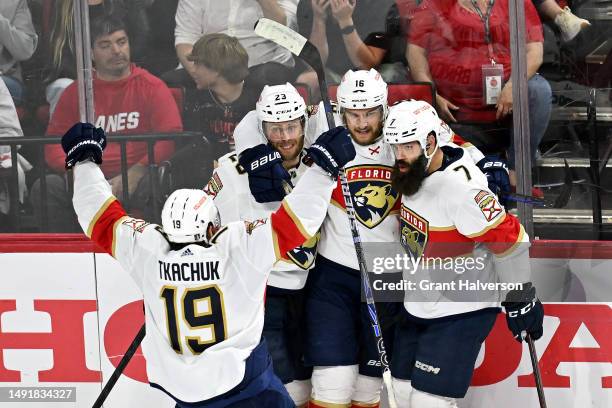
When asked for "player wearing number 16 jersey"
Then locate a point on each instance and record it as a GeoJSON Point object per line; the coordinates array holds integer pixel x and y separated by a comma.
{"type": "Point", "coordinates": [203, 284]}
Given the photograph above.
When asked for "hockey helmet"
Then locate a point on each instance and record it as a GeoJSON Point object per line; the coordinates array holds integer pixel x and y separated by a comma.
{"type": "Point", "coordinates": [362, 90]}
{"type": "Point", "coordinates": [280, 103]}
{"type": "Point", "coordinates": [413, 121]}
{"type": "Point", "coordinates": [186, 215]}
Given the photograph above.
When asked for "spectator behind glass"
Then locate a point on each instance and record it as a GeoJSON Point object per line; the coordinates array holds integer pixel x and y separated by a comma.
{"type": "Point", "coordinates": [569, 24]}
{"type": "Point", "coordinates": [127, 100]}
{"type": "Point", "coordinates": [348, 33]}
{"type": "Point", "coordinates": [18, 41]}
{"type": "Point", "coordinates": [9, 127]}
{"type": "Point", "coordinates": [221, 100]}
{"type": "Point", "coordinates": [62, 59]}
{"type": "Point", "coordinates": [447, 45]}
{"type": "Point", "coordinates": [268, 62]}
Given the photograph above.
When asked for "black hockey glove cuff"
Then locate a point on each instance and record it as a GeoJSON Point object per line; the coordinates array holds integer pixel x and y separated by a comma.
{"type": "Point", "coordinates": [83, 142]}
{"type": "Point", "coordinates": [524, 312]}
{"type": "Point", "coordinates": [332, 150]}
{"type": "Point", "coordinates": [269, 181]}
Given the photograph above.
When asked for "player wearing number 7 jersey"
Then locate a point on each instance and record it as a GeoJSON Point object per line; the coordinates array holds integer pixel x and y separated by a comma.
{"type": "Point", "coordinates": [203, 284]}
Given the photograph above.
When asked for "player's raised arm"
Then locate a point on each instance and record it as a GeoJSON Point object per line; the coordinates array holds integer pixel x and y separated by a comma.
{"type": "Point", "coordinates": [302, 211]}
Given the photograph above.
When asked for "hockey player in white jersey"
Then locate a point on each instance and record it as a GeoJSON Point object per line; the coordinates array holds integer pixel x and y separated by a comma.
{"type": "Point", "coordinates": [447, 210]}
{"type": "Point", "coordinates": [280, 118]}
{"type": "Point", "coordinates": [203, 284]}
{"type": "Point", "coordinates": [340, 344]}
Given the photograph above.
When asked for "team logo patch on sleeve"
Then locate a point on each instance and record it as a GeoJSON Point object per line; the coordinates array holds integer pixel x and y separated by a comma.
{"type": "Point", "coordinates": [214, 185]}
{"type": "Point", "coordinates": [136, 224]}
{"type": "Point", "coordinates": [490, 207]}
{"type": "Point", "coordinates": [305, 255]}
{"type": "Point", "coordinates": [250, 226]}
{"type": "Point", "coordinates": [312, 110]}
{"type": "Point", "coordinates": [414, 232]}
{"type": "Point", "coordinates": [481, 194]}
{"type": "Point", "coordinates": [373, 196]}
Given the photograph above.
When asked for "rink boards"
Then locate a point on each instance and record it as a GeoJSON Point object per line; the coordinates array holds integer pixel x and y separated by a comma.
{"type": "Point", "coordinates": [67, 315]}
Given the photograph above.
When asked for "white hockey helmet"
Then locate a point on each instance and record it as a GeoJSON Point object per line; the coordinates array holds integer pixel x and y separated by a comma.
{"type": "Point", "coordinates": [280, 103]}
{"type": "Point", "coordinates": [362, 90]}
{"type": "Point", "coordinates": [412, 121]}
{"type": "Point", "coordinates": [186, 215]}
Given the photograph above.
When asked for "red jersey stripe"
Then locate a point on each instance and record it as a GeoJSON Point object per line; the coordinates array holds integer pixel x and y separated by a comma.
{"type": "Point", "coordinates": [287, 229]}
{"type": "Point", "coordinates": [103, 231]}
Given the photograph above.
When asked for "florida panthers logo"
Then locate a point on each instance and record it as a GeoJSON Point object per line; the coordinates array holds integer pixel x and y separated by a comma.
{"type": "Point", "coordinates": [373, 196]}
{"type": "Point", "coordinates": [304, 255]}
{"type": "Point", "coordinates": [414, 232]}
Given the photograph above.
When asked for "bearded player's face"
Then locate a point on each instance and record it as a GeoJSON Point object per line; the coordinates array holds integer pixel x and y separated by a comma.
{"type": "Point", "coordinates": [410, 169]}
{"type": "Point", "coordinates": [286, 137]}
{"type": "Point", "coordinates": [111, 55]}
{"type": "Point", "coordinates": [365, 125]}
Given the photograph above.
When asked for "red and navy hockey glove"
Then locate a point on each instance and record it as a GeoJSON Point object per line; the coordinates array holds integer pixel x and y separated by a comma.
{"type": "Point", "coordinates": [83, 142]}
{"type": "Point", "coordinates": [524, 312]}
{"type": "Point", "coordinates": [496, 170]}
{"type": "Point", "coordinates": [269, 181]}
{"type": "Point", "coordinates": [332, 150]}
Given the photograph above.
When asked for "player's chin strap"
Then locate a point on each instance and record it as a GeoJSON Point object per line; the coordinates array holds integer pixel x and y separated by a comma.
{"type": "Point", "coordinates": [305, 50]}
{"type": "Point", "coordinates": [430, 157]}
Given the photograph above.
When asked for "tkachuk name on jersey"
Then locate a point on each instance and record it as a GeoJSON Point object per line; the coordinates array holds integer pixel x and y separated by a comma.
{"type": "Point", "coordinates": [188, 271]}
{"type": "Point", "coordinates": [374, 198]}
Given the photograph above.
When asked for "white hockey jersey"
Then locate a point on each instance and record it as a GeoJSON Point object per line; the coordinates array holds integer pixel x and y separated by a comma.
{"type": "Point", "coordinates": [204, 304]}
{"type": "Point", "coordinates": [230, 186]}
{"type": "Point", "coordinates": [452, 213]}
{"type": "Point", "coordinates": [376, 203]}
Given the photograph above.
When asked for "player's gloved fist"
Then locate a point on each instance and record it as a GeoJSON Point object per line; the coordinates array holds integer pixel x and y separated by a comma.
{"type": "Point", "coordinates": [332, 150]}
{"type": "Point", "coordinates": [269, 181]}
{"type": "Point", "coordinates": [496, 171]}
{"type": "Point", "coordinates": [82, 142]}
{"type": "Point", "coordinates": [524, 312]}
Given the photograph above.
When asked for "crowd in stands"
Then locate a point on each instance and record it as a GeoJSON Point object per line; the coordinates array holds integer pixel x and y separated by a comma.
{"type": "Point", "coordinates": [171, 66]}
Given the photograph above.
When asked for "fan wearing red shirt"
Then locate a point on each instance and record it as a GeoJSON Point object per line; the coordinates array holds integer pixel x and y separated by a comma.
{"type": "Point", "coordinates": [127, 100]}
{"type": "Point", "coordinates": [449, 45]}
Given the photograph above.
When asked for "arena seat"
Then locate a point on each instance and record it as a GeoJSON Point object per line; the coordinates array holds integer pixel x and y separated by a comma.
{"type": "Point", "coordinates": [303, 91]}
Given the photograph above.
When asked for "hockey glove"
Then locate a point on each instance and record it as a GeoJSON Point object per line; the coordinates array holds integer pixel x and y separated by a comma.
{"type": "Point", "coordinates": [524, 312]}
{"type": "Point", "coordinates": [332, 150]}
{"type": "Point", "coordinates": [496, 171]}
{"type": "Point", "coordinates": [269, 181]}
{"type": "Point", "coordinates": [83, 142]}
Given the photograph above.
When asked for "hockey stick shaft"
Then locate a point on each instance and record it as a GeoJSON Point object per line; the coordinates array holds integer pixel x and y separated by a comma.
{"type": "Point", "coordinates": [536, 371]}
{"type": "Point", "coordinates": [302, 48]}
{"type": "Point", "coordinates": [120, 367]}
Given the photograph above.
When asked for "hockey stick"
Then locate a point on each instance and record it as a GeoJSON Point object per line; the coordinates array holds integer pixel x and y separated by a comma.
{"type": "Point", "coordinates": [306, 51]}
{"type": "Point", "coordinates": [536, 370]}
{"type": "Point", "coordinates": [561, 200]}
{"type": "Point", "coordinates": [120, 367]}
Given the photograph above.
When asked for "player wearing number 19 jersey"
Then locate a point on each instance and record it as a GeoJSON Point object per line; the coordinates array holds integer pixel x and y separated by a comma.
{"type": "Point", "coordinates": [203, 285]}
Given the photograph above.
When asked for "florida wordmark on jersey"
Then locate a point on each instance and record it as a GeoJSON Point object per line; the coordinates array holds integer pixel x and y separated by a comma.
{"type": "Point", "coordinates": [204, 304]}
{"type": "Point", "coordinates": [230, 186]}
{"type": "Point", "coordinates": [451, 214]}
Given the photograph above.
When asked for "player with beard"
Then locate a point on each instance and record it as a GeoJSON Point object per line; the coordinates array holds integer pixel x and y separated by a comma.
{"type": "Point", "coordinates": [280, 118]}
{"type": "Point", "coordinates": [447, 210]}
{"type": "Point", "coordinates": [340, 344]}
